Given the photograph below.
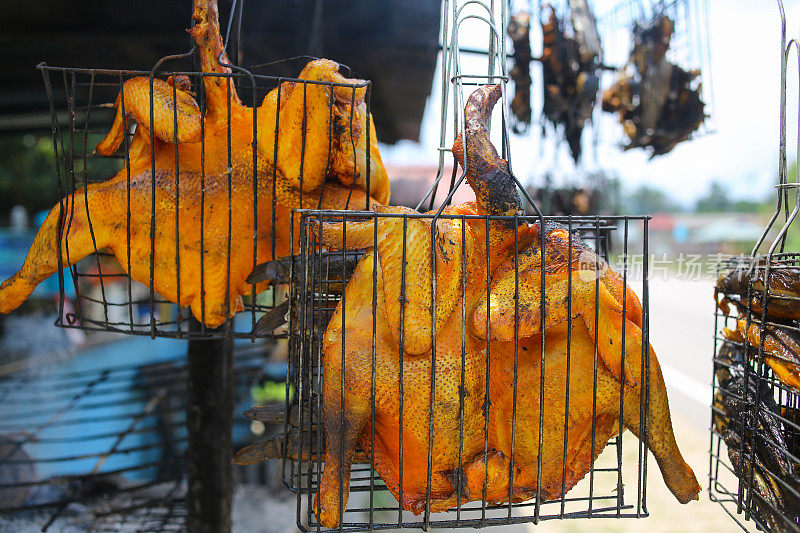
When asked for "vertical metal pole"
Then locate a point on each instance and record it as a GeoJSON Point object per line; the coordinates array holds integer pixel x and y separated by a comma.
{"type": "Point", "coordinates": [209, 420]}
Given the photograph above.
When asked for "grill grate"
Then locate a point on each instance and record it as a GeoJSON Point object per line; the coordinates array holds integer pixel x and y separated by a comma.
{"type": "Point", "coordinates": [600, 495]}
{"type": "Point", "coordinates": [107, 299]}
{"type": "Point", "coordinates": [754, 448]}
{"type": "Point", "coordinates": [754, 426]}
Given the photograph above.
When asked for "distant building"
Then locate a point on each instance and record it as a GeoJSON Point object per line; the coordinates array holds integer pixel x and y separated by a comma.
{"type": "Point", "coordinates": [411, 182]}
{"type": "Point", "coordinates": [704, 233]}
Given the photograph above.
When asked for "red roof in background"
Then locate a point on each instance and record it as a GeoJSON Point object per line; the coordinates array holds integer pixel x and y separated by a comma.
{"type": "Point", "coordinates": [662, 222]}
{"type": "Point", "coordinates": [411, 182]}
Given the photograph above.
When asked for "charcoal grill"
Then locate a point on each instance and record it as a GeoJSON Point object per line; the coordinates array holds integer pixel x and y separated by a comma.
{"type": "Point", "coordinates": [754, 446]}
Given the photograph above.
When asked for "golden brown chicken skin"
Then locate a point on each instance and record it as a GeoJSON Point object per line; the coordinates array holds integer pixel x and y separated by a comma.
{"type": "Point", "coordinates": [781, 348]}
{"type": "Point", "coordinates": [193, 210]}
{"type": "Point", "coordinates": [459, 468]}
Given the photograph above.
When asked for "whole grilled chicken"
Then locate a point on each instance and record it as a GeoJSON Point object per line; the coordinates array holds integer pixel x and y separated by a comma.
{"type": "Point", "coordinates": [205, 203]}
{"type": "Point", "coordinates": [468, 409]}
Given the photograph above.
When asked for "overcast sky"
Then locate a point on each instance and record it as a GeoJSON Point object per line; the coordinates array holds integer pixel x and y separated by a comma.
{"type": "Point", "coordinates": [744, 75]}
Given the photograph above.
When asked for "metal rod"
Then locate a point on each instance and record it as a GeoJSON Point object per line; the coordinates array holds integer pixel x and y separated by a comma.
{"type": "Point", "coordinates": [209, 423]}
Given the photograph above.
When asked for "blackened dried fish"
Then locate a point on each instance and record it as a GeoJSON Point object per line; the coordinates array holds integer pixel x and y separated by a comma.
{"type": "Point", "coordinates": [519, 30]}
{"type": "Point", "coordinates": [569, 72]}
{"type": "Point", "coordinates": [783, 296]}
{"type": "Point", "coordinates": [659, 106]}
{"type": "Point", "coordinates": [755, 439]}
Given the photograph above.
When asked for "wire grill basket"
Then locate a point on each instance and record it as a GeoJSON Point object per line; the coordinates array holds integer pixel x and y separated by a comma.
{"type": "Point", "coordinates": [607, 28]}
{"type": "Point", "coordinates": [153, 227]}
{"type": "Point", "coordinates": [601, 494]}
{"type": "Point", "coordinates": [454, 368]}
{"type": "Point", "coordinates": [755, 425]}
{"type": "Point", "coordinates": [754, 449]}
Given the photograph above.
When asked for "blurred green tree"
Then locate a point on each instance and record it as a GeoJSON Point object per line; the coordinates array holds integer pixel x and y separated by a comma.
{"type": "Point", "coordinates": [646, 200]}
{"type": "Point", "coordinates": [27, 172]}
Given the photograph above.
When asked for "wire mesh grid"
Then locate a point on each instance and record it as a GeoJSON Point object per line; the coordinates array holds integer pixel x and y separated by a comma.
{"type": "Point", "coordinates": [193, 207]}
{"type": "Point", "coordinates": [754, 448]}
{"type": "Point", "coordinates": [240, 213]}
{"type": "Point", "coordinates": [490, 376]}
{"type": "Point", "coordinates": [109, 440]}
{"type": "Point", "coordinates": [447, 366]}
{"type": "Point", "coordinates": [689, 48]}
{"type": "Point", "coordinates": [566, 109]}
{"type": "Point", "coordinates": [755, 424]}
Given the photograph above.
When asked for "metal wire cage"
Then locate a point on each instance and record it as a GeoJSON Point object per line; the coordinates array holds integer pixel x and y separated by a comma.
{"type": "Point", "coordinates": [226, 189]}
{"type": "Point", "coordinates": [689, 48]}
{"type": "Point", "coordinates": [406, 391]}
{"type": "Point", "coordinates": [509, 374]}
{"type": "Point", "coordinates": [578, 124]}
{"type": "Point", "coordinates": [754, 427]}
{"type": "Point", "coordinates": [754, 448]}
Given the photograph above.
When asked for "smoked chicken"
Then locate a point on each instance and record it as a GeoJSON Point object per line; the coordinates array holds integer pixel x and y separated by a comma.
{"type": "Point", "coordinates": [204, 200]}
{"type": "Point", "coordinates": [475, 333]}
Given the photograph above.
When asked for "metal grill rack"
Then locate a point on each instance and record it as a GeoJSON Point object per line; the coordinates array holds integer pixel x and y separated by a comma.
{"type": "Point", "coordinates": [754, 450]}
{"type": "Point", "coordinates": [320, 274]}
{"type": "Point", "coordinates": [107, 299]}
{"type": "Point", "coordinates": [689, 49]}
{"type": "Point", "coordinates": [102, 447]}
{"type": "Point", "coordinates": [754, 428]}
{"type": "Point", "coordinates": [371, 507]}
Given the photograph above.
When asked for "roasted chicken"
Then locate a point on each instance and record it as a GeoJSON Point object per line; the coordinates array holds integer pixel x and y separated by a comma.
{"type": "Point", "coordinates": [205, 195]}
{"type": "Point", "coordinates": [417, 373]}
